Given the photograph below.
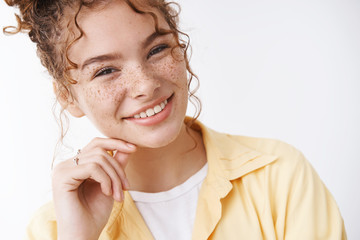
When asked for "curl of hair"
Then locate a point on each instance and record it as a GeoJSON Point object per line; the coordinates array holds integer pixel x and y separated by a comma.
{"type": "Point", "coordinates": [45, 21]}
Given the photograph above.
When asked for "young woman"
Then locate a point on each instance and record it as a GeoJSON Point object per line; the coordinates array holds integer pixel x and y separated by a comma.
{"type": "Point", "coordinates": [158, 174]}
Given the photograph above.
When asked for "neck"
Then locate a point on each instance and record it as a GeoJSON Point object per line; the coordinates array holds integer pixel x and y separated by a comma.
{"type": "Point", "coordinates": [160, 169]}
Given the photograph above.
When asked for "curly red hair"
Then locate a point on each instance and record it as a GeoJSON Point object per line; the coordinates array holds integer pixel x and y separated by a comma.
{"type": "Point", "coordinates": [45, 21]}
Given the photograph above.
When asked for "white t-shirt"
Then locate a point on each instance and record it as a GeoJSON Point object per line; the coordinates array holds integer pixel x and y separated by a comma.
{"type": "Point", "coordinates": [171, 214]}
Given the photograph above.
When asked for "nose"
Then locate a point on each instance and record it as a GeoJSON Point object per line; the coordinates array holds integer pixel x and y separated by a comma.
{"type": "Point", "coordinates": [143, 84]}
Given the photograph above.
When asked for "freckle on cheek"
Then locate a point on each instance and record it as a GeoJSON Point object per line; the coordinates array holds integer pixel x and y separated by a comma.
{"type": "Point", "coordinates": [115, 92]}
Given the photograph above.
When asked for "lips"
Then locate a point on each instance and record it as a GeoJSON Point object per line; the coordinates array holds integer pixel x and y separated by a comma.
{"type": "Point", "coordinates": [152, 110]}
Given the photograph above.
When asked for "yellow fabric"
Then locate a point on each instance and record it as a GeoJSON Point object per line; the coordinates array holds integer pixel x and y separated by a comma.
{"type": "Point", "coordinates": [255, 189]}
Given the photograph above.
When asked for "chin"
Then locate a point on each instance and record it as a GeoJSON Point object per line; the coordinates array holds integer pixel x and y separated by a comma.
{"type": "Point", "coordinates": [160, 136]}
{"type": "Point", "coordinates": [159, 139]}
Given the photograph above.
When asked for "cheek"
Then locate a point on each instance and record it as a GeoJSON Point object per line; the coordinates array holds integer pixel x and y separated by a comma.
{"type": "Point", "coordinates": [173, 70]}
{"type": "Point", "coordinates": [97, 90]}
{"type": "Point", "coordinates": [103, 95]}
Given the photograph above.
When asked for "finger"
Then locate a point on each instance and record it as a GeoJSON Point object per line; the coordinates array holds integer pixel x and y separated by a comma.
{"type": "Point", "coordinates": [73, 177]}
{"type": "Point", "coordinates": [119, 170]}
{"type": "Point", "coordinates": [100, 176]}
{"type": "Point", "coordinates": [111, 144]}
{"type": "Point", "coordinates": [112, 169]}
{"type": "Point", "coordinates": [116, 173]}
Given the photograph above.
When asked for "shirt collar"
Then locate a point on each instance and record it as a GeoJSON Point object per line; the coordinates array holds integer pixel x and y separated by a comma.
{"type": "Point", "coordinates": [236, 158]}
{"type": "Point", "coordinates": [228, 159]}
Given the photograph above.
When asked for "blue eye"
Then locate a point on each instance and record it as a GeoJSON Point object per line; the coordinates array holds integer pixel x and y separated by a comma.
{"type": "Point", "coordinates": [104, 71]}
{"type": "Point", "coordinates": [157, 49]}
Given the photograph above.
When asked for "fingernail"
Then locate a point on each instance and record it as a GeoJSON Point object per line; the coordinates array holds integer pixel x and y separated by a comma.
{"type": "Point", "coordinates": [131, 145]}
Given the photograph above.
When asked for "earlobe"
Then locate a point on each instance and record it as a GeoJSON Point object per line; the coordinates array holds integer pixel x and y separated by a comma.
{"type": "Point", "coordinates": [67, 102]}
{"type": "Point", "coordinates": [74, 110]}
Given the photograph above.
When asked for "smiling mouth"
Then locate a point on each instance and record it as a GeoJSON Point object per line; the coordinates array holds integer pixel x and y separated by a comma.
{"type": "Point", "coordinates": [153, 110]}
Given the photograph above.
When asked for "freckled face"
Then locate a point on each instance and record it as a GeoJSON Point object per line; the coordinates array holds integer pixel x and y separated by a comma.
{"type": "Point", "coordinates": [126, 69]}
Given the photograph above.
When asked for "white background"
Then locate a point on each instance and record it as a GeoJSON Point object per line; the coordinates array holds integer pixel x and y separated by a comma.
{"type": "Point", "coordinates": [280, 69]}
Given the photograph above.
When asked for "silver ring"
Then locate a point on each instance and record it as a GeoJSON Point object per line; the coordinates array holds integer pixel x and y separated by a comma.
{"type": "Point", "coordinates": [76, 158]}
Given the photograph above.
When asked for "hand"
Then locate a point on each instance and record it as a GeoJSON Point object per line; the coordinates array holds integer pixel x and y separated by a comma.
{"type": "Point", "coordinates": [84, 194]}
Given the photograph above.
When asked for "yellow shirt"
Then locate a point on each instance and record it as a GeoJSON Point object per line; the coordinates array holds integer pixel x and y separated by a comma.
{"type": "Point", "coordinates": [255, 189]}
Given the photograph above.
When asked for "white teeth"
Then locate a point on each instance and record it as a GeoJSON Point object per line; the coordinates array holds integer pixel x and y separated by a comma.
{"type": "Point", "coordinates": [143, 115]}
{"type": "Point", "coordinates": [152, 111]}
{"type": "Point", "coordinates": [157, 109]}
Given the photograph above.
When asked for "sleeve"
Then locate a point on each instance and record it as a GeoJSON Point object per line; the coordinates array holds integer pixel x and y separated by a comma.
{"type": "Point", "coordinates": [310, 210]}
{"type": "Point", "coordinates": [43, 224]}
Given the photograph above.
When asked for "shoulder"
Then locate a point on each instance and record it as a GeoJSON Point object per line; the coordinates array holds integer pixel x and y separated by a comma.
{"type": "Point", "coordinates": [237, 156]}
{"type": "Point", "coordinates": [299, 200]}
{"type": "Point", "coordinates": [281, 165]}
{"type": "Point", "coordinates": [291, 170]}
{"type": "Point", "coordinates": [43, 223]}
{"type": "Point", "coordinates": [267, 146]}
{"type": "Point", "coordinates": [235, 146]}
{"type": "Point", "coordinates": [229, 142]}
{"type": "Point", "coordinates": [286, 155]}
{"type": "Point", "coordinates": [289, 180]}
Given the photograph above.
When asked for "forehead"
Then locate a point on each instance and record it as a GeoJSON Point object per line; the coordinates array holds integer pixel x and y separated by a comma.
{"type": "Point", "coordinates": [121, 11]}
{"type": "Point", "coordinates": [113, 14]}
{"type": "Point", "coordinates": [111, 25]}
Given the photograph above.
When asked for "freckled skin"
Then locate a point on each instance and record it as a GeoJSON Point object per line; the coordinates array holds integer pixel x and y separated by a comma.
{"type": "Point", "coordinates": [137, 80]}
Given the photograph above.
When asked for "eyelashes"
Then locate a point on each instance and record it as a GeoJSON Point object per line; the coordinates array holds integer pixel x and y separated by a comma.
{"type": "Point", "coordinates": [157, 50]}
{"type": "Point", "coordinates": [110, 70]}
{"type": "Point", "coordinates": [105, 71]}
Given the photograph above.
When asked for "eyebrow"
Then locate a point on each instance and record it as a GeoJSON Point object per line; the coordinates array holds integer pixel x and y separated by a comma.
{"type": "Point", "coordinates": [100, 58]}
{"type": "Point", "coordinates": [114, 56]}
{"type": "Point", "coordinates": [150, 39]}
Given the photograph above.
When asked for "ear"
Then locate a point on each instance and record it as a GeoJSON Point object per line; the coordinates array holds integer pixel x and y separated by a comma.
{"type": "Point", "coordinates": [66, 101]}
